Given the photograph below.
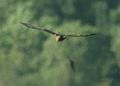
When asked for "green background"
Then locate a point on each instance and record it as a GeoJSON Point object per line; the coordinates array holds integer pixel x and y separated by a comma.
{"type": "Point", "coordinates": [33, 58]}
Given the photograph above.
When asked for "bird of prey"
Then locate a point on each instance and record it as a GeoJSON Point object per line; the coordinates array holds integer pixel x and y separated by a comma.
{"type": "Point", "coordinates": [58, 36]}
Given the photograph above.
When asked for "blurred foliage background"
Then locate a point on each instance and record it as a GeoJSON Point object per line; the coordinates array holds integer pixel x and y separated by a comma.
{"type": "Point", "coordinates": [32, 58]}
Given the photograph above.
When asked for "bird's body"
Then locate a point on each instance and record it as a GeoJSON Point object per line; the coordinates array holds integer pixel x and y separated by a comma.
{"type": "Point", "coordinates": [58, 36]}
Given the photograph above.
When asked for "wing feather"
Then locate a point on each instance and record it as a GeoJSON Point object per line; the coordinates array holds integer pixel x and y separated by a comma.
{"type": "Point", "coordinates": [39, 28]}
{"type": "Point", "coordinates": [55, 33]}
{"type": "Point", "coordinates": [74, 35]}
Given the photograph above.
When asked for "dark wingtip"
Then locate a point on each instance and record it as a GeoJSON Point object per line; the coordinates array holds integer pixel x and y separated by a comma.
{"type": "Point", "coordinates": [93, 34]}
{"type": "Point", "coordinates": [25, 24]}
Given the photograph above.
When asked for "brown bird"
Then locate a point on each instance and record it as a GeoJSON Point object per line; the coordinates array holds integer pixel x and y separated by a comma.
{"type": "Point", "coordinates": [58, 36]}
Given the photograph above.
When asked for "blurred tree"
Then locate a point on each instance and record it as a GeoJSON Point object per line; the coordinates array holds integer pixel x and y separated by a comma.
{"type": "Point", "coordinates": [32, 58]}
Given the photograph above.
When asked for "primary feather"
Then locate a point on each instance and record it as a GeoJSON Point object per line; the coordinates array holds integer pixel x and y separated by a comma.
{"type": "Point", "coordinates": [38, 28]}
{"type": "Point", "coordinates": [74, 35]}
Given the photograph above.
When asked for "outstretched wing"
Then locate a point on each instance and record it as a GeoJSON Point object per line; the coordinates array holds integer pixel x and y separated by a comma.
{"type": "Point", "coordinates": [39, 28]}
{"type": "Point", "coordinates": [74, 35]}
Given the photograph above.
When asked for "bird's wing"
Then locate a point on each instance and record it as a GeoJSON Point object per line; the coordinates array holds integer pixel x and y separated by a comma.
{"type": "Point", "coordinates": [39, 28]}
{"type": "Point", "coordinates": [74, 35]}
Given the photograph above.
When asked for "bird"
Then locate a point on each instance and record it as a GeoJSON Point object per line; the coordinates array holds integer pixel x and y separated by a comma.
{"type": "Point", "coordinates": [59, 37]}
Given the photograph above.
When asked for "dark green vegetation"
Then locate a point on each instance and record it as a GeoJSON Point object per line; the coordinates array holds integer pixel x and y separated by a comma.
{"type": "Point", "coordinates": [32, 58]}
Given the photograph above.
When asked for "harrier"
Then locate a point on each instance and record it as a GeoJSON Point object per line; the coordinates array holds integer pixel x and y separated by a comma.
{"type": "Point", "coordinates": [58, 36]}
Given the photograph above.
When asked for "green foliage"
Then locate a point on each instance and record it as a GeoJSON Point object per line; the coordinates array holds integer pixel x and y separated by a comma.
{"type": "Point", "coordinates": [32, 58]}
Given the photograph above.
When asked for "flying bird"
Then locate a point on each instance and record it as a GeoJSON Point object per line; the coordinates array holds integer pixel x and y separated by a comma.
{"type": "Point", "coordinates": [59, 37]}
